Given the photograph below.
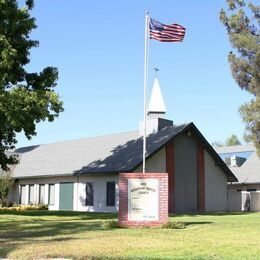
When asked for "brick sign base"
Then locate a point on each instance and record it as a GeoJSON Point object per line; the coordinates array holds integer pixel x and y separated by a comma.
{"type": "Point", "coordinates": [159, 178]}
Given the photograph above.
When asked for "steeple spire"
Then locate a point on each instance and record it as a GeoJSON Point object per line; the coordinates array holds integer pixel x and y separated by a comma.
{"type": "Point", "coordinates": [156, 107]}
{"type": "Point", "coordinates": [156, 110]}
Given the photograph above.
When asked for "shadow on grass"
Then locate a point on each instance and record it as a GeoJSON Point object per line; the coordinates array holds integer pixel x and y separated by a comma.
{"type": "Point", "coordinates": [104, 257]}
{"type": "Point", "coordinates": [188, 223]}
{"type": "Point", "coordinates": [78, 215]}
{"type": "Point", "coordinates": [210, 214]}
{"type": "Point", "coordinates": [39, 226]}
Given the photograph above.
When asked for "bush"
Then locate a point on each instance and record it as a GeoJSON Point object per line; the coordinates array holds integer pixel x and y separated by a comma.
{"type": "Point", "coordinates": [174, 225]}
{"type": "Point", "coordinates": [25, 208]}
{"type": "Point", "coordinates": [10, 204]}
{"type": "Point", "coordinates": [4, 203]}
{"type": "Point", "coordinates": [42, 207]}
{"type": "Point", "coordinates": [110, 224]}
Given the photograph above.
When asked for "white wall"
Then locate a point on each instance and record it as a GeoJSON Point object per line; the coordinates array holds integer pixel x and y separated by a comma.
{"type": "Point", "coordinates": [79, 195]}
{"type": "Point", "coordinates": [215, 186]}
{"type": "Point", "coordinates": [99, 182]}
{"type": "Point", "coordinates": [52, 180]}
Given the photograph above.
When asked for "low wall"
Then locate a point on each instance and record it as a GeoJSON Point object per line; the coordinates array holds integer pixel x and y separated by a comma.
{"type": "Point", "coordinates": [234, 201]}
{"type": "Point", "coordinates": [255, 201]}
{"type": "Point", "coordinates": [243, 200]}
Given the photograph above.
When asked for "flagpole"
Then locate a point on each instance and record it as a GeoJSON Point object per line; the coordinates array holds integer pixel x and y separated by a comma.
{"type": "Point", "coordinates": [146, 42]}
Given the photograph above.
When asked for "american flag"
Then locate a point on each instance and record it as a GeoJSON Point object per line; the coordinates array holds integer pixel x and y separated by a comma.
{"type": "Point", "coordinates": [166, 33]}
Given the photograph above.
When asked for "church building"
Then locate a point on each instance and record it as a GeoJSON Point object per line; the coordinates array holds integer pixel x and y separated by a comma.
{"type": "Point", "coordinates": [82, 175]}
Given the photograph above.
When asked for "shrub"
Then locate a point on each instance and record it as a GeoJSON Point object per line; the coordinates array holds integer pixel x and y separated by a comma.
{"type": "Point", "coordinates": [25, 208]}
{"type": "Point", "coordinates": [10, 204]}
{"type": "Point", "coordinates": [4, 203]}
{"type": "Point", "coordinates": [42, 207]}
{"type": "Point", "coordinates": [110, 224]}
{"type": "Point", "coordinates": [174, 225]}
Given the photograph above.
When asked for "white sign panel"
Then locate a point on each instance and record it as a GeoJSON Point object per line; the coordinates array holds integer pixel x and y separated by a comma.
{"type": "Point", "coordinates": [143, 199]}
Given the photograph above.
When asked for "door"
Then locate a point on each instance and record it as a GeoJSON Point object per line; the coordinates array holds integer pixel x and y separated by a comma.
{"type": "Point", "coordinates": [66, 195]}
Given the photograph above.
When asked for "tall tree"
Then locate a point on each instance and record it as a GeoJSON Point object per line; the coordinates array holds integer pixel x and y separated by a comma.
{"type": "Point", "coordinates": [232, 140]}
{"type": "Point", "coordinates": [26, 98]}
{"type": "Point", "coordinates": [242, 21]}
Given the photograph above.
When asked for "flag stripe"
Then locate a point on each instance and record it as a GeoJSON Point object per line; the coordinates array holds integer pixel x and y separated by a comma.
{"type": "Point", "coordinates": [158, 36]}
{"type": "Point", "coordinates": [166, 33]}
{"type": "Point", "coordinates": [165, 40]}
{"type": "Point", "coordinates": [174, 30]}
{"type": "Point", "coordinates": [174, 27]}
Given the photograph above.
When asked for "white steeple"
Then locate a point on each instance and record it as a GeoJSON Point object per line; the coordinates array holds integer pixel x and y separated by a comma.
{"type": "Point", "coordinates": [156, 110]}
{"type": "Point", "coordinates": [156, 107]}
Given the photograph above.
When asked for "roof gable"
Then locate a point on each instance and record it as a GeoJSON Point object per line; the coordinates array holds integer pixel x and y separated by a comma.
{"type": "Point", "coordinates": [104, 154]}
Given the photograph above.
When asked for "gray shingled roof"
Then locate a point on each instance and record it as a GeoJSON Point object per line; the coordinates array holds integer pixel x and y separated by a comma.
{"type": "Point", "coordinates": [235, 148]}
{"type": "Point", "coordinates": [105, 154]}
{"type": "Point", "coordinates": [69, 157]}
{"type": "Point", "coordinates": [249, 171]}
{"type": "Point", "coordinates": [110, 153]}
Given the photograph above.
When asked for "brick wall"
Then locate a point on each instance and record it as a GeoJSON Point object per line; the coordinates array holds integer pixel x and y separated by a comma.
{"type": "Point", "coordinates": [162, 198]}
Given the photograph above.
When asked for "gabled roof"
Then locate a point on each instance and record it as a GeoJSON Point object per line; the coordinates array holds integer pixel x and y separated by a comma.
{"type": "Point", "coordinates": [249, 171]}
{"type": "Point", "coordinates": [105, 154]}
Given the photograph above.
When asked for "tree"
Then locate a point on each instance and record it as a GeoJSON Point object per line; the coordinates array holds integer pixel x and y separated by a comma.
{"type": "Point", "coordinates": [6, 181]}
{"type": "Point", "coordinates": [217, 144]}
{"type": "Point", "coordinates": [26, 98]}
{"type": "Point", "coordinates": [232, 140]}
{"type": "Point", "coordinates": [242, 21]}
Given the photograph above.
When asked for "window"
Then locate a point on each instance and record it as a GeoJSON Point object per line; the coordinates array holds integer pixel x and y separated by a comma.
{"type": "Point", "coordinates": [41, 193]}
{"type": "Point", "coordinates": [89, 194]}
{"type": "Point", "coordinates": [31, 194]}
{"type": "Point", "coordinates": [111, 193]}
{"type": "Point", "coordinates": [51, 194]}
{"type": "Point", "coordinates": [22, 194]}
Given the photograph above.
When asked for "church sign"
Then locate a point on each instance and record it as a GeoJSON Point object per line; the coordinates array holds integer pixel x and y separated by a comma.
{"type": "Point", "coordinates": [143, 199]}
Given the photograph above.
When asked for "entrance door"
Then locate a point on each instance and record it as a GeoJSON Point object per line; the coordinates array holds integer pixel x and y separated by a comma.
{"type": "Point", "coordinates": [66, 195]}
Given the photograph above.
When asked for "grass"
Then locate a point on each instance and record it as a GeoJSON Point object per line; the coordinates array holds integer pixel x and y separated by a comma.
{"type": "Point", "coordinates": [43, 234]}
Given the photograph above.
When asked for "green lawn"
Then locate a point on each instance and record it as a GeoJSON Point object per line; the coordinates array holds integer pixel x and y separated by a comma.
{"type": "Point", "coordinates": [80, 235]}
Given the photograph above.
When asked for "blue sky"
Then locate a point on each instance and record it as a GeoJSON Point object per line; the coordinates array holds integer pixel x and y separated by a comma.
{"type": "Point", "coordinates": [98, 47]}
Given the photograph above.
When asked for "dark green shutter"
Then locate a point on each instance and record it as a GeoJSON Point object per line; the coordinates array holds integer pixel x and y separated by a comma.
{"type": "Point", "coordinates": [89, 194]}
{"type": "Point", "coordinates": [111, 190]}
